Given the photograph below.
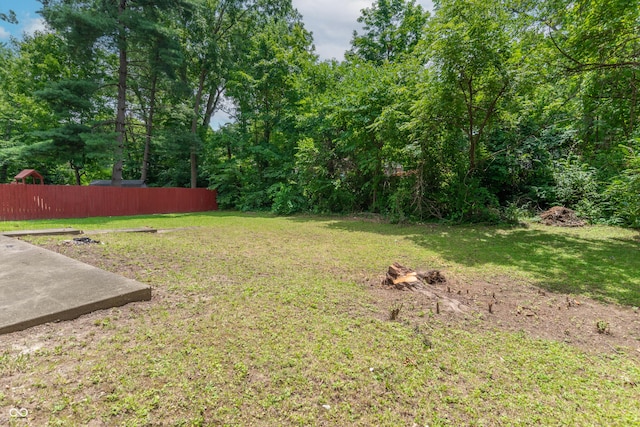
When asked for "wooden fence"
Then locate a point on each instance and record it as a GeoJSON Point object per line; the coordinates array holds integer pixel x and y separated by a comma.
{"type": "Point", "coordinates": [21, 202]}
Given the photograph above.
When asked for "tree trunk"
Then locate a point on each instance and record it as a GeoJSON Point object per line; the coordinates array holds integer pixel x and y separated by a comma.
{"type": "Point", "coordinates": [4, 171]}
{"type": "Point", "coordinates": [147, 143]}
{"type": "Point", "coordinates": [377, 178]}
{"type": "Point", "coordinates": [212, 105]}
{"type": "Point", "coordinates": [474, 131]}
{"type": "Point", "coordinates": [632, 109]}
{"type": "Point", "coordinates": [116, 175]}
{"type": "Point", "coordinates": [76, 172]}
{"type": "Point", "coordinates": [472, 140]}
{"type": "Point", "coordinates": [194, 130]}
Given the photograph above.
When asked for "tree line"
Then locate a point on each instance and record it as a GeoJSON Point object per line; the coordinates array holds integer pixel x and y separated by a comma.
{"type": "Point", "coordinates": [474, 111]}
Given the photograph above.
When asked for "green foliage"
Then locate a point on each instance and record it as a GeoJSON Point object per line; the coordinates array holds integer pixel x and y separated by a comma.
{"type": "Point", "coordinates": [465, 200]}
{"type": "Point", "coordinates": [323, 179]}
{"type": "Point", "coordinates": [473, 113]}
{"type": "Point", "coordinates": [391, 29]}
{"type": "Point", "coordinates": [10, 17]}
{"type": "Point", "coordinates": [286, 199]}
{"type": "Point", "coordinates": [576, 186]}
{"type": "Point", "coordinates": [624, 190]}
{"type": "Point", "coordinates": [574, 181]}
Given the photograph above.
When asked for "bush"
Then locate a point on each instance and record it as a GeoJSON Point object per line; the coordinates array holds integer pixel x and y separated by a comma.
{"type": "Point", "coordinates": [577, 187]}
{"type": "Point", "coordinates": [286, 199]}
{"type": "Point", "coordinates": [624, 191]}
{"type": "Point", "coordinates": [574, 181]}
{"type": "Point", "coordinates": [465, 200]}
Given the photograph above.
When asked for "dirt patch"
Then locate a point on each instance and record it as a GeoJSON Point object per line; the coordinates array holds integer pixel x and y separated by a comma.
{"type": "Point", "coordinates": [516, 307]}
{"type": "Point", "coordinates": [559, 216]}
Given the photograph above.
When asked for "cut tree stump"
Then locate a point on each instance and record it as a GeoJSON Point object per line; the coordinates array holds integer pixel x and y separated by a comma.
{"type": "Point", "coordinates": [402, 278]}
{"type": "Point", "coordinates": [405, 279]}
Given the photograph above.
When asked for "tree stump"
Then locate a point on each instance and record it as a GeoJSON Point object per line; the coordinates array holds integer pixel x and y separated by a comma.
{"type": "Point", "coordinates": [405, 279]}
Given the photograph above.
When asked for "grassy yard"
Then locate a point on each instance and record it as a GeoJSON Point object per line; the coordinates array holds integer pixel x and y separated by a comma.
{"type": "Point", "coordinates": [265, 321]}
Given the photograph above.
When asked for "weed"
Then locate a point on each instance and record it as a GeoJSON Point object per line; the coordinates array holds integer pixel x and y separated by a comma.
{"type": "Point", "coordinates": [395, 312]}
{"type": "Point", "coordinates": [424, 337]}
{"type": "Point", "coordinates": [602, 327]}
{"type": "Point", "coordinates": [106, 323]}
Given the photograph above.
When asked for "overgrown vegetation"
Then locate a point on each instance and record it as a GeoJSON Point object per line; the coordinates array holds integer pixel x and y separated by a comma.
{"type": "Point", "coordinates": [259, 320]}
{"type": "Point", "coordinates": [468, 113]}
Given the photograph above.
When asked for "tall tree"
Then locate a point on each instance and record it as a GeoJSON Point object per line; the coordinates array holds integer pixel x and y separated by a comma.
{"type": "Point", "coordinates": [391, 28]}
{"type": "Point", "coordinates": [215, 39]}
{"type": "Point", "coordinates": [266, 89]}
{"type": "Point", "coordinates": [90, 25]}
{"type": "Point", "coordinates": [156, 61]}
{"type": "Point", "coordinates": [39, 68]}
{"type": "Point", "coordinates": [473, 50]}
{"type": "Point", "coordinates": [598, 41]}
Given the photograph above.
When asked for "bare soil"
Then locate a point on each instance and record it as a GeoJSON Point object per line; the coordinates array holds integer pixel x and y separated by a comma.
{"type": "Point", "coordinates": [513, 306]}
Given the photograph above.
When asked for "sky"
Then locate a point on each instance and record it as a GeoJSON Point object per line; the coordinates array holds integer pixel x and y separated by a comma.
{"type": "Point", "coordinates": [29, 20]}
{"type": "Point", "coordinates": [331, 21]}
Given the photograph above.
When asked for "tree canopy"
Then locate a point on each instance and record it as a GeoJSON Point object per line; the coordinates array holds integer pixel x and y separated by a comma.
{"type": "Point", "coordinates": [474, 111]}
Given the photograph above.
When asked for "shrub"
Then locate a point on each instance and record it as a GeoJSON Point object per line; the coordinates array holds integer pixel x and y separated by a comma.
{"type": "Point", "coordinates": [577, 187]}
{"type": "Point", "coordinates": [624, 191]}
{"type": "Point", "coordinates": [286, 199]}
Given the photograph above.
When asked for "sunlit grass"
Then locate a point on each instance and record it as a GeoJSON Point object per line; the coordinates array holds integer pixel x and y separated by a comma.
{"type": "Point", "coordinates": [268, 321]}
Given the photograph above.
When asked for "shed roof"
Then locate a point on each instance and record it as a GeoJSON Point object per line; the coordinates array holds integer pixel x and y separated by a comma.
{"type": "Point", "coordinates": [29, 172]}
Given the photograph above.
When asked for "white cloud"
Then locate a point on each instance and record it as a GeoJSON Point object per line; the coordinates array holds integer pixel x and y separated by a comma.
{"type": "Point", "coordinates": [332, 23]}
{"type": "Point", "coordinates": [32, 25]}
{"type": "Point", "coordinates": [4, 34]}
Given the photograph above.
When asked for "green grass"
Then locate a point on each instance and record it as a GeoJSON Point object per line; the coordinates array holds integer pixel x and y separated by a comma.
{"type": "Point", "coordinates": [267, 321]}
{"type": "Point", "coordinates": [599, 262]}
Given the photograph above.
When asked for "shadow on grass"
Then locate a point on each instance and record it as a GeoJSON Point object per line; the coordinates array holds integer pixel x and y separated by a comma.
{"type": "Point", "coordinates": [560, 260]}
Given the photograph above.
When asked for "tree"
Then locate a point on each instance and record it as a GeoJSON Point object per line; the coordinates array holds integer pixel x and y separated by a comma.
{"type": "Point", "coordinates": [91, 25]}
{"type": "Point", "coordinates": [266, 87]}
{"type": "Point", "coordinates": [72, 140]}
{"type": "Point", "coordinates": [156, 62]}
{"type": "Point", "coordinates": [473, 51]}
{"type": "Point", "coordinates": [598, 40]}
{"type": "Point", "coordinates": [391, 28]}
{"type": "Point", "coordinates": [216, 39]}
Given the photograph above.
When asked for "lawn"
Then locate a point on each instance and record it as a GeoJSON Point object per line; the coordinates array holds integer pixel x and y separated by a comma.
{"type": "Point", "coordinates": [264, 321]}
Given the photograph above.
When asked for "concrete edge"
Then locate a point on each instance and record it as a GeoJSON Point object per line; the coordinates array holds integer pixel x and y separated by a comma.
{"type": "Point", "coordinates": [44, 232]}
{"type": "Point", "coordinates": [75, 312]}
{"type": "Point", "coordinates": [73, 231]}
{"type": "Point", "coordinates": [123, 230]}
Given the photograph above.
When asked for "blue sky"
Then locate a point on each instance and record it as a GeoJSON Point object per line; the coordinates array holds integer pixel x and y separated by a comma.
{"type": "Point", "coordinates": [27, 16]}
{"type": "Point", "coordinates": [331, 31]}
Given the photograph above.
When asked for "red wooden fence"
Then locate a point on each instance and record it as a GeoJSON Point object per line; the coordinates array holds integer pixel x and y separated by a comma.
{"type": "Point", "coordinates": [20, 202]}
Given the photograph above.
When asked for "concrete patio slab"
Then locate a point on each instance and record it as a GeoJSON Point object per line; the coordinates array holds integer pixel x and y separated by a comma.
{"type": "Point", "coordinates": [43, 232]}
{"type": "Point", "coordinates": [39, 286]}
